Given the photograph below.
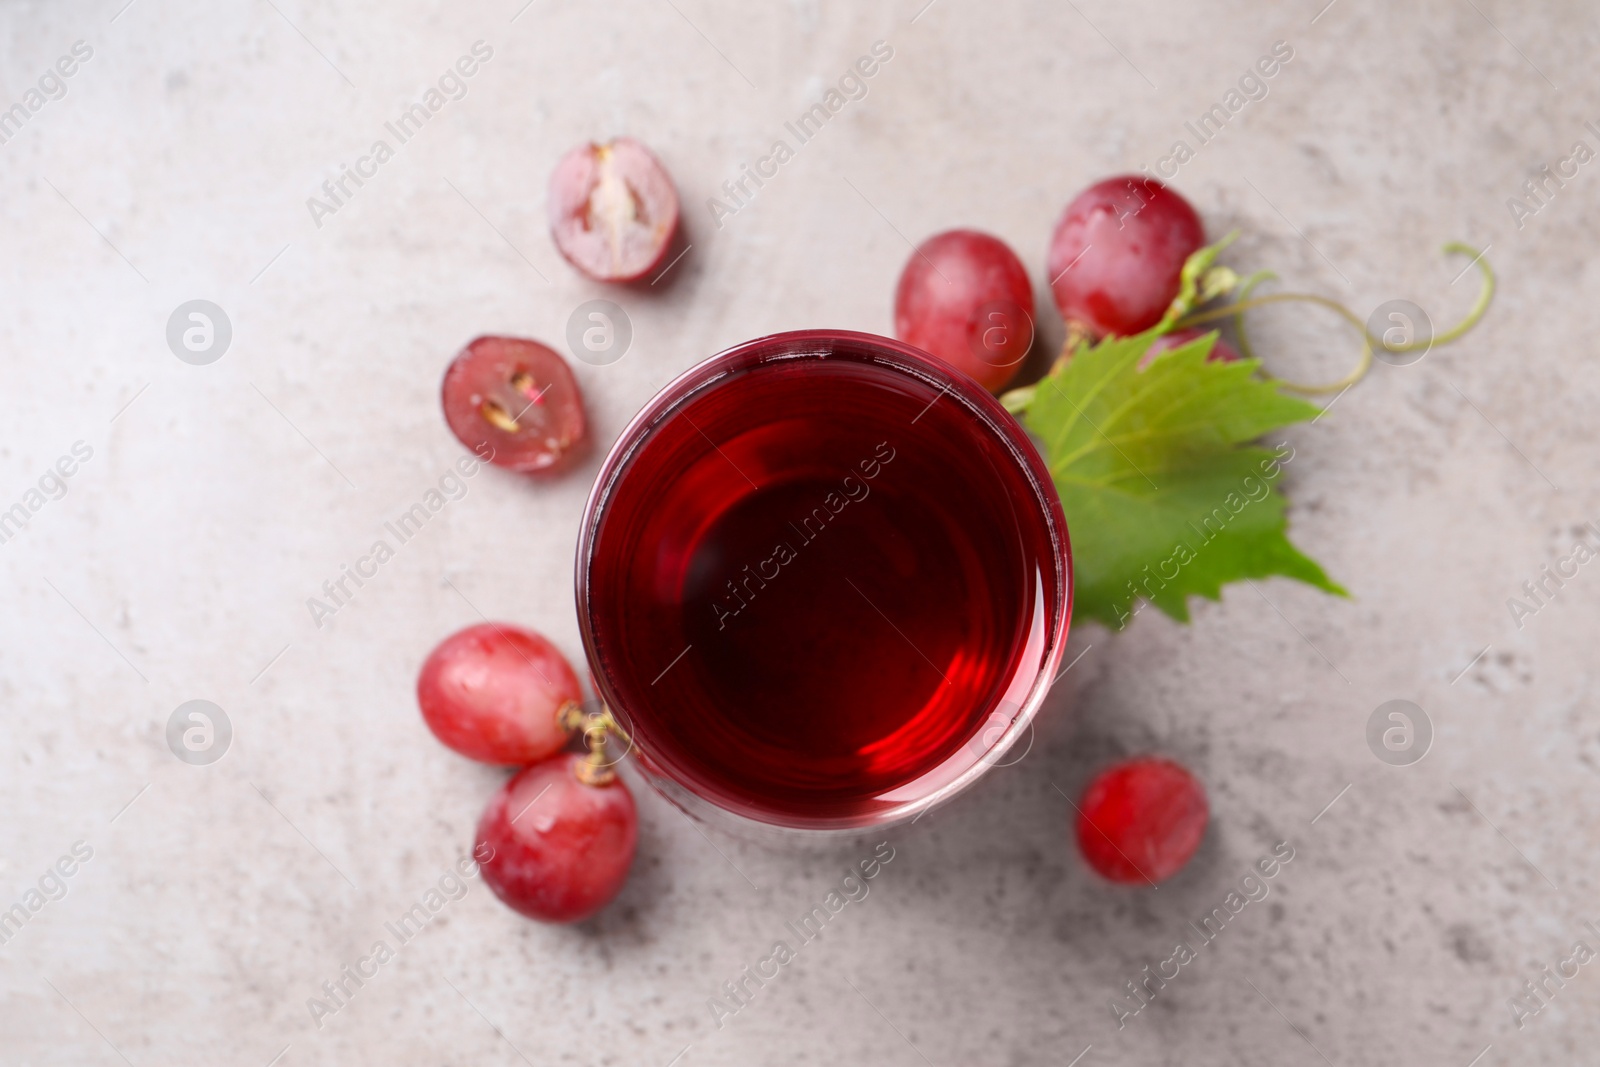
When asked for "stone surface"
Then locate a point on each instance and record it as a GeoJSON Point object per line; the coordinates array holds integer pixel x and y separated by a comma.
{"type": "Point", "coordinates": [219, 898]}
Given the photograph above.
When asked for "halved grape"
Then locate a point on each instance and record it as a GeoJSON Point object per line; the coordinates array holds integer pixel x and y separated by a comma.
{"type": "Point", "coordinates": [613, 209]}
{"type": "Point", "coordinates": [514, 402]}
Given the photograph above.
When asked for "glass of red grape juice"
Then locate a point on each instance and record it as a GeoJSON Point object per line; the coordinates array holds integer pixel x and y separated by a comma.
{"type": "Point", "coordinates": [824, 582]}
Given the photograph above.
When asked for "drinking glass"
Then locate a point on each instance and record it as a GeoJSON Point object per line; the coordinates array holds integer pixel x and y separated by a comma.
{"type": "Point", "coordinates": [824, 583]}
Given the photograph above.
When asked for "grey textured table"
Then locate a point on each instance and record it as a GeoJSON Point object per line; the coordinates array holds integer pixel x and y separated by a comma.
{"type": "Point", "coordinates": [176, 163]}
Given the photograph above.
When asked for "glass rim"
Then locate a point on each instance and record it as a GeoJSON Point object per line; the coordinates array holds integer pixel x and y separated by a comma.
{"type": "Point", "coordinates": [816, 344]}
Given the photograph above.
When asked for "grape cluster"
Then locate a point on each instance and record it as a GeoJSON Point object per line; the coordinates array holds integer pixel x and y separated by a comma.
{"type": "Point", "coordinates": [560, 835]}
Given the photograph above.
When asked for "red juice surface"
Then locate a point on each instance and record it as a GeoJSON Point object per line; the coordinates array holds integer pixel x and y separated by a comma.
{"type": "Point", "coordinates": [814, 580]}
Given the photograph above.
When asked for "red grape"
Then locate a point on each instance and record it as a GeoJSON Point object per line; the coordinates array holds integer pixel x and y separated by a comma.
{"type": "Point", "coordinates": [613, 209]}
{"type": "Point", "coordinates": [1117, 253]}
{"type": "Point", "coordinates": [965, 297]}
{"type": "Point", "coordinates": [1221, 351]}
{"type": "Point", "coordinates": [491, 692]}
{"type": "Point", "coordinates": [1141, 820]}
{"type": "Point", "coordinates": [559, 848]}
{"type": "Point", "coordinates": [514, 402]}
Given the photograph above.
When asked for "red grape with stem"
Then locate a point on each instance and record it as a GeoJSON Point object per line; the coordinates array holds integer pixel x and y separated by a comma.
{"type": "Point", "coordinates": [1221, 351]}
{"type": "Point", "coordinates": [492, 692]}
{"type": "Point", "coordinates": [1117, 253]}
{"type": "Point", "coordinates": [560, 837]}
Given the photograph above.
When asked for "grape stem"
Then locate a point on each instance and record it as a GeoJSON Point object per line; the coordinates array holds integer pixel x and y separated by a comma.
{"type": "Point", "coordinates": [597, 726]}
{"type": "Point", "coordinates": [1364, 361]}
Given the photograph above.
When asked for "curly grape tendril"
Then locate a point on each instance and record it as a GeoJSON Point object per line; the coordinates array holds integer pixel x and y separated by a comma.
{"type": "Point", "coordinates": [1364, 361]}
{"type": "Point", "coordinates": [1203, 281]}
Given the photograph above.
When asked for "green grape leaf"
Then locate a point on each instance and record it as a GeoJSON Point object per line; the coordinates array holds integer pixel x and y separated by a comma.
{"type": "Point", "coordinates": [1165, 494]}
